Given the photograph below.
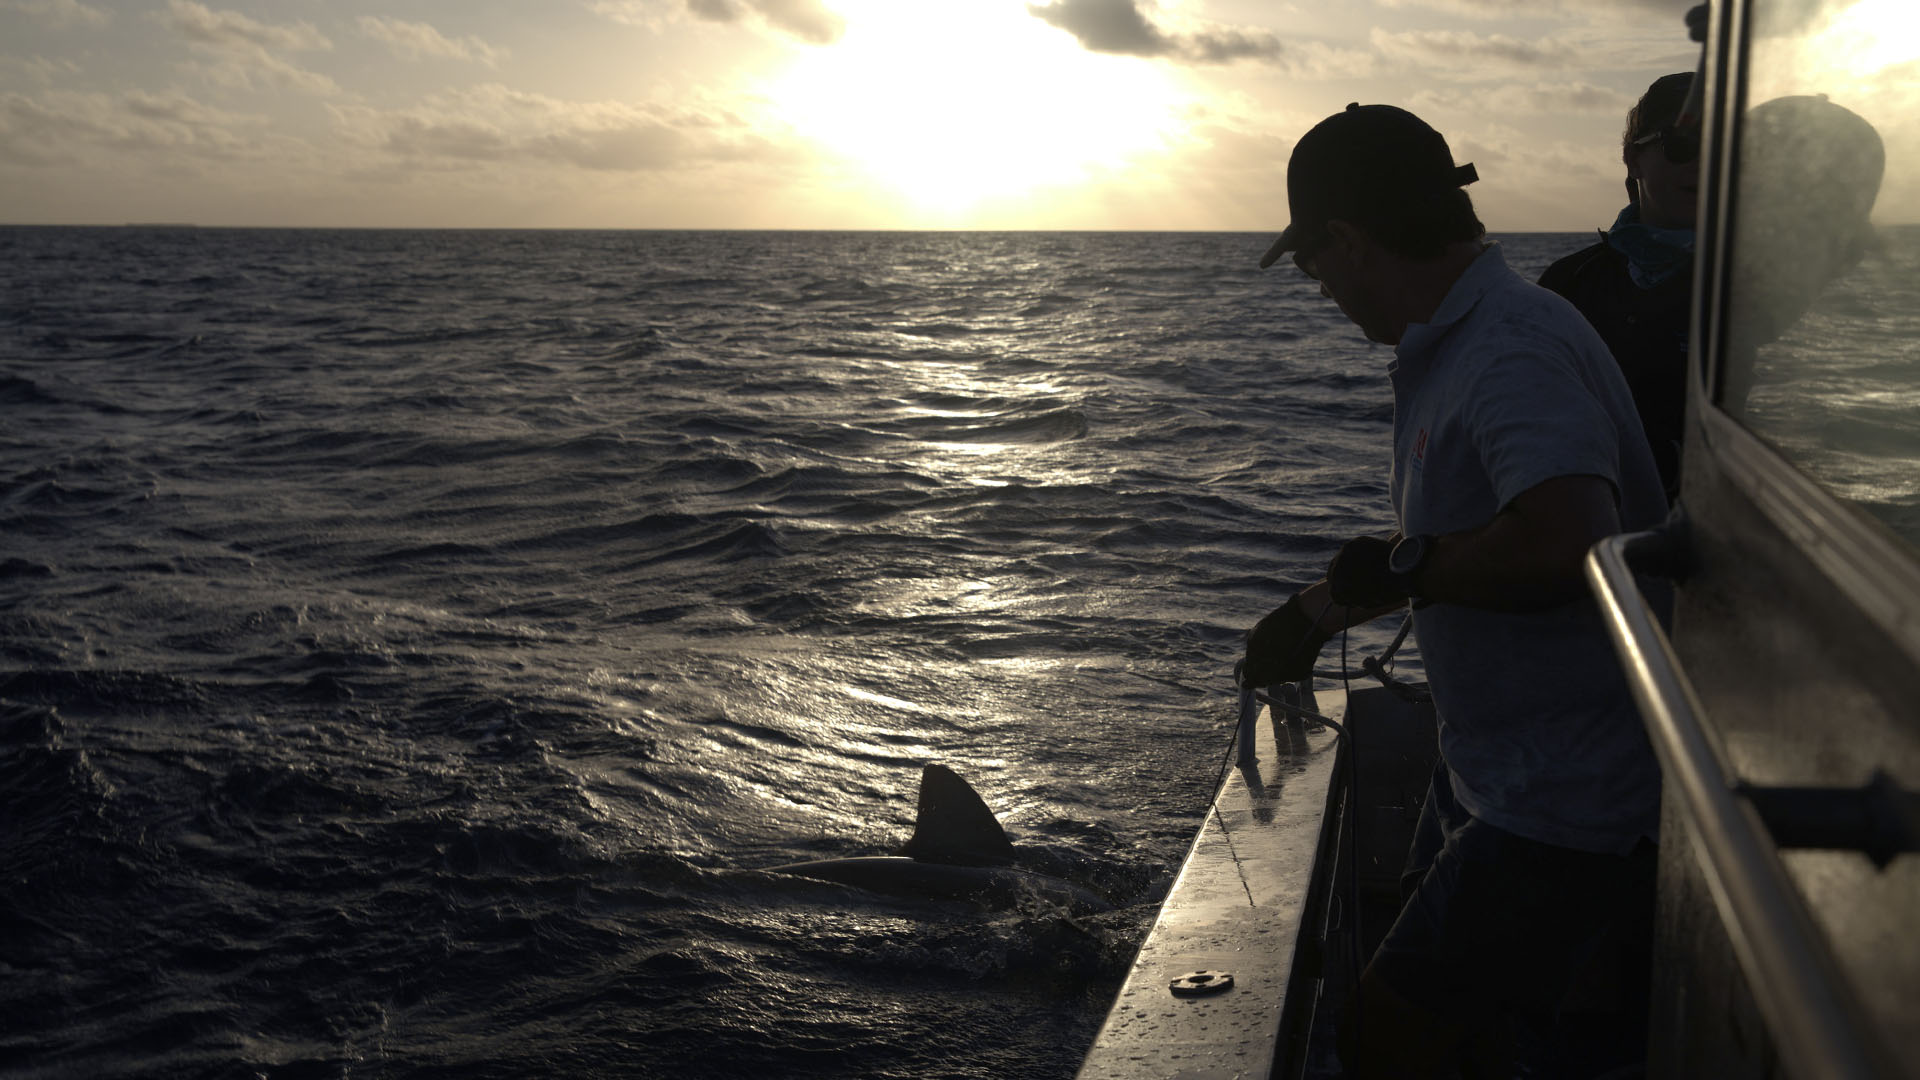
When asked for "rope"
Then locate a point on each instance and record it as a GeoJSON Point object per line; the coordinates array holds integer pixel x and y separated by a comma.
{"type": "Point", "coordinates": [1214, 805]}
{"type": "Point", "coordinates": [1294, 710]}
{"type": "Point", "coordinates": [1375, 666]}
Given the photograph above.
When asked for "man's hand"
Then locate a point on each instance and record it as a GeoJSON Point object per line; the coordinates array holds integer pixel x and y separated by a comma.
{"type": "Point", "coordinates": [1282, 647]}
{"type": "Point", "coordinates": [1359, 577]}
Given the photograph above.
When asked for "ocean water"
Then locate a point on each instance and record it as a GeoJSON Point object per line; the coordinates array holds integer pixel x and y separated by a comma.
{"type": "Point", "coordinates": [1837, 393]}
{"type": "Point", "coordinates": [415, 645]}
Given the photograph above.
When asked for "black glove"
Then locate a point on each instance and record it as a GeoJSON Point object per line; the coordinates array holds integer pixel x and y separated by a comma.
{"type": "Point", "coordinates": [1282, 647]}
{"type": "Point", "coordinates": [1358, 576]}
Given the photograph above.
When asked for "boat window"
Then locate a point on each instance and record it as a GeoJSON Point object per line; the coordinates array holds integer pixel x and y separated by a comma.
{"type": "Point", "coordinates": [1822, 347]}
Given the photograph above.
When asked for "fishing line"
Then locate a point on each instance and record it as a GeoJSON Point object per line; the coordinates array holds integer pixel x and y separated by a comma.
{"type": "Point", "coordinates": [1379, 668]}
{"type": "Point", "coordinates": [1233, 739]}
{"type": "Point", "coordinates": [1226, 833]}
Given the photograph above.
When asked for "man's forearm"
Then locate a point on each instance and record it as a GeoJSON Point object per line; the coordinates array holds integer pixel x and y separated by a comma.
{"type": "Point", "coordinates": [1317, 601]}
{"type": "Point", "coordinates": [1530, 556]}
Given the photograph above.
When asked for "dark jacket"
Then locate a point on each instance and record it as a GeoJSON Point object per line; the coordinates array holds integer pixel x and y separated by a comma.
{"type": "Point", "coordinates": [1647, 331]}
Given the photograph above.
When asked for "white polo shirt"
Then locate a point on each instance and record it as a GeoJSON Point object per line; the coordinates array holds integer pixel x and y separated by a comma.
{"type": "Point", "coordinates": [1508, 387]}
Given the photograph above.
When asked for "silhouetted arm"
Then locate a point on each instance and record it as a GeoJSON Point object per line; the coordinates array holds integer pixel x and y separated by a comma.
{"type": "Point", "coordinates": [1529, 557]}
{"type": "Point", "coordinates": [1334, 617]}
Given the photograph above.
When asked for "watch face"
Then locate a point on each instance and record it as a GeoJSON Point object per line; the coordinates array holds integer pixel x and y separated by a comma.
{"type": "Point", "coordinates": [1407, 555]}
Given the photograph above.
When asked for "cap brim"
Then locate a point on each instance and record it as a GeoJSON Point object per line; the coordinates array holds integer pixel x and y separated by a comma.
{"type": "Point", "coordinates": [1281, 246]}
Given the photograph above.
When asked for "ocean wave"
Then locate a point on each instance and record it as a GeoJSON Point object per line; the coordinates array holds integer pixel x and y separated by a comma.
{"type": "Point", "coordinates": [1049, 426]}
{"type": "Point", "coordinates": [406, 632]}
{"type": "Point", "coordinates": [752, 540]}
{"type": "Point", "coordinates": [15, 390]}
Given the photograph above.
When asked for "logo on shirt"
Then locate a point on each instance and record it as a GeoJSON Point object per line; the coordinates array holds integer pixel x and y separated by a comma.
{"type": "Point", "coordinates": [1420, 450]}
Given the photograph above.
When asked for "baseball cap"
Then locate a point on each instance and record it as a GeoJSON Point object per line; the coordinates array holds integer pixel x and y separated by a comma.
{"type": "Point", "coordinates": [1365, 158]}
{"type": "Point", "coordinates": [1659, 108]}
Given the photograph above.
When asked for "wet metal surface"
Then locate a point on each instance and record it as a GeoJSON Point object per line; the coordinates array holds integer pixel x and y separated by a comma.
{"type": "Point", "coordinates": [1237, 906]}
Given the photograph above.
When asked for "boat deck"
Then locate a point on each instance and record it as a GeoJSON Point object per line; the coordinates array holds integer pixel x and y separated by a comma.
{"type": "Point", "coordinates": [1255, 901]}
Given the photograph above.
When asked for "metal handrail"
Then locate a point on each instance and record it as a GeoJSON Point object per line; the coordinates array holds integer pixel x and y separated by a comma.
{"type": "Point", "coordinates": [1809, 1007]}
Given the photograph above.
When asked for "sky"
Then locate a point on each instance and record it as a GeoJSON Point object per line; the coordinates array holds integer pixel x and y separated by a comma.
{"type": "Point", "coordinates": [806, 114]}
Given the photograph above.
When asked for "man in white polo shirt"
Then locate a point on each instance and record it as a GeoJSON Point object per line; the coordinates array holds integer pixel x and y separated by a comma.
{"type": "Point", "coordinates": [1515, 446]}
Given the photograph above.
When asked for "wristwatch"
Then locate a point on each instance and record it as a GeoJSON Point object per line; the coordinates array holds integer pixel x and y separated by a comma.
{"type": "Point", "coordinates": [1408, 558]}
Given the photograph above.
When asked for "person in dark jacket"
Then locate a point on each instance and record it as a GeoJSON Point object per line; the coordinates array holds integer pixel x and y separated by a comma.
{"type": "Point", "coordinates": [1635, 283]}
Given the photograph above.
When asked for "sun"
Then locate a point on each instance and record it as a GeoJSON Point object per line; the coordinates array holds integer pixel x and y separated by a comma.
{"type": "Point", "coordinates": [950, 106]}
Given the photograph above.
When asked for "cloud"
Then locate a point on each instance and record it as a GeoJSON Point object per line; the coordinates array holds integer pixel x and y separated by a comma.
{"type": "Point", "coordinates": [233, 31]}
{"type": "Point", "coordinates": [1517, 100]}
{"type": "Point", "coordinates": [496, 124]}
{"type": "Point", "coordinates": [243, 72]}
{"type": "Point", "coordinates": [59, 127]}
{"type": "Point", "coordinates": [1465, 55]}
{"type": "Point", "coordinates": [178, 112]}
{"type": "Point", "coordinates": [1472, 9]}
{"type": "Point", "coordinates": [58, 12]}
{"type": "Point", "coordinates": [1107, 26]}
{"type": "Point", "coordinates": [1120, 27]}
{"type": "Point", "coordinates": [416, 40]}
{"type": "Point", "coordinates": [242, 48]}
{"type": "Point", "coordinates": [37, 69]}
{"type": "Point", "coordinates": [1618, 10]}
{"type": "Point", "coordinates": [646, 14]}
{"type": "Point", "coordinates": [809, 20]}
{"type": "Point", "coordinates": [1318, 60]}
{"type": "Point", "coordinates": [1515, 161]}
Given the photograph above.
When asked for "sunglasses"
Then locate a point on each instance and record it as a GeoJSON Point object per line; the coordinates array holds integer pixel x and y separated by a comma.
{"type": "Point", "coordinates": [1680, 146]}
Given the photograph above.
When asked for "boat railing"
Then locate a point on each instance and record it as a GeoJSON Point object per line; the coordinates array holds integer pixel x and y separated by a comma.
{"type": "Point", "coordinates": [1808, 1005]}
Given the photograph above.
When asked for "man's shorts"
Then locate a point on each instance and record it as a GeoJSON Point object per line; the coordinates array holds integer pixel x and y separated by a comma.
{"type": "Point", "coordinates": [1500, 923]}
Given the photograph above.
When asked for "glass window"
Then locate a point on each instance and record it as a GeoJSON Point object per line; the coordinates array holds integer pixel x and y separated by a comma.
{"type": "Point", "coordinates": [1823, 340]}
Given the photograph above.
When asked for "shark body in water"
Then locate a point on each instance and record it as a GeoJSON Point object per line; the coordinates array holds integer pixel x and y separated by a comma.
{"type": "Point", "coordinates": [958, 852]}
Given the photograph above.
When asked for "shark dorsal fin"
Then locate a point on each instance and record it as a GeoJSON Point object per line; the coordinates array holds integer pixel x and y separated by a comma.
{"type": "Point", "coordinates": [954, 825]}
